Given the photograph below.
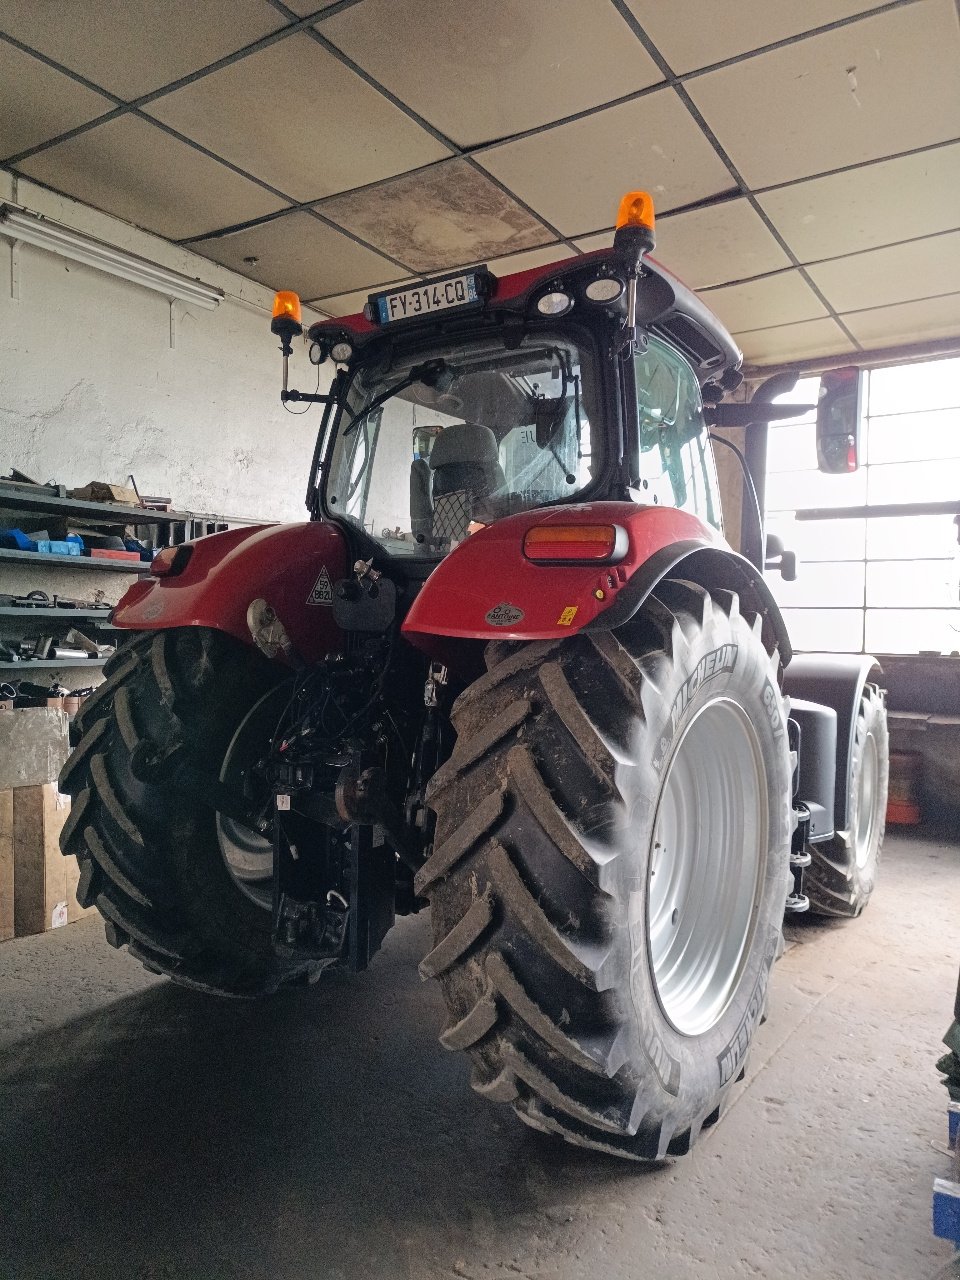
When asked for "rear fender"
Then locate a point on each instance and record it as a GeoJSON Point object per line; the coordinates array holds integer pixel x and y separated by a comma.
{"type": "Point", "coordinates": [834, 680]}
{"type": "Point", "coordinates": [291, 566]}
{"type": "Point", "coordinates": [486, 589]}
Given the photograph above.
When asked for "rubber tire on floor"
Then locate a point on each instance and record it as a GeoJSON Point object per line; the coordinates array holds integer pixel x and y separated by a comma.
{"type": "Point", "coordinates": [545, 816]}
{"type": "Point", "coordinates": [834, 883]}
{"type": "Point", "coordinates": [149, 856]}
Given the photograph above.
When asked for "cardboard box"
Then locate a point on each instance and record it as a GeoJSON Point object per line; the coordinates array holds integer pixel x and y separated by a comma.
{"type": "Point", "coordinates": [34, 745]}
{"type": "Point", "coordinates": [100, 491]}
{"type": "Point", "coordinates": [44, 881]}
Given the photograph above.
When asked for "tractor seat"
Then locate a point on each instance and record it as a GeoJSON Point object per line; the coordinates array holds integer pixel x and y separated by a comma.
{"type": "Point", "coordinates": [466, 468]}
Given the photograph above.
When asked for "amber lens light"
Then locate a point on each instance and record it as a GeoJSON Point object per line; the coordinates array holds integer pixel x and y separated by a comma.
{"type": "Point", "coordinates": [636, 210]}
{"type": "Point", "coordinates": [286, 306]}
{"type": "Point", "coordinates": [546, 542]}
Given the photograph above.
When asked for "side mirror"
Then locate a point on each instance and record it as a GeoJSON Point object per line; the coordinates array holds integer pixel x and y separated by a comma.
{"type": "Point", "coordinates": [777, 557]}
{"type": "Point", "coordinates": [838, 421]}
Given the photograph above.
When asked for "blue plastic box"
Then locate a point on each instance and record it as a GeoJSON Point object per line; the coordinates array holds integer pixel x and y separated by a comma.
{"type": "Point", "coordinates": [55, 547]}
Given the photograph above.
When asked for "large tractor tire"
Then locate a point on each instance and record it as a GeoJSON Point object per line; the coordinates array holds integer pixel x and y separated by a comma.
{"type": "Point", "coordinates": [610, 869]}
{"type": "Point", "coordinates": [843, 872]}
{"type": "Point", "coordinates": [184, 888]}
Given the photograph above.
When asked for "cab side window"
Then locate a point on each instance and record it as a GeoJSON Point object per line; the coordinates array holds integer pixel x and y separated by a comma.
{"type": "Point", "coordinates": [676, 458]}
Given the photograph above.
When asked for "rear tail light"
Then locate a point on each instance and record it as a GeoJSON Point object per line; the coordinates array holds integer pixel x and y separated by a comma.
{"type": "Point", "coordinates": [171, 561]}
{"type": "Point", "coordinates": [560, 543]}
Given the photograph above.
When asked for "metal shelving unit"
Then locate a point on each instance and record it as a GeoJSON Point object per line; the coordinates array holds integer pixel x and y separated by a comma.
{"type": "Point", "coordinates": [178, 526]}
{"type": "Point", "coordinates": [68, 616]}
{"type": "Point", "coordinates": [31, 505]}
{"type": "Point", "coordinates": [15, 497]}
{"type": "Point", "coordinates": [58, 664]}
{"type": "Point", "coordinates": [72, 562]}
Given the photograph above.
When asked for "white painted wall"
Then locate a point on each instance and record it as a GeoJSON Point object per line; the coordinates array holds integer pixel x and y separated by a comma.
{"type": "Point", "coordinates": [91, 390]}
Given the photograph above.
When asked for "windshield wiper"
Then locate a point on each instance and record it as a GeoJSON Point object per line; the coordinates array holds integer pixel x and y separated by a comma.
{"type": "Point", "coordinates": [432, 373]}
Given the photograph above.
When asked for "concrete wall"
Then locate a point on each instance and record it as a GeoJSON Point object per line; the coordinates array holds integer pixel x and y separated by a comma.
{"type": "Point", "coordinates": [90, 388]}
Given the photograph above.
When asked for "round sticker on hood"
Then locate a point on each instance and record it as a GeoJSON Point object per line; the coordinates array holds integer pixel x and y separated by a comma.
{"type": "Point", "coordinates": [504, 615]}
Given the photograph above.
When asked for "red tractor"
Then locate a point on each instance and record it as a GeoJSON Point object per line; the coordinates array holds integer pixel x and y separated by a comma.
{"type": "Point", "coordinates": [509, 668]}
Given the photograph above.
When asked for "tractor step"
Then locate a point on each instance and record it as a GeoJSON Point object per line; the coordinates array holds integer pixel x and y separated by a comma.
{"type": "Point", "coordinates": [797, 901]}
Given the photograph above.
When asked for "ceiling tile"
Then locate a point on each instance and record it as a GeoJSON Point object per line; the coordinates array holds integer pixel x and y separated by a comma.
{"type": "Point", "coordinates": [727, 241]}
{"type": "Point", "coordinates": [575, 174]}
{"type": "Point", "coordinates": [348, 304]}
{"type": "Point", "coordinates": [304, 8]}
{"type": "Point", "coordinates": [299, 252]}
{"type": "Point", "coordinates": [761, 304]}
{"type": "Point", "coordinates": [602, 240]}
{"type": "Point", "coordinates": [898, 273]}
{"type": "Point", "coordinates": [709, 246]}
{"type": "Point", "coordinates": [344, 134]}
{"type": "Point", "coordinates": [528, 261]}
{"type": "Point", "coordinates": [877, 87]}
{"type": "Point", "coordinates": [443, 216]}
{"type": "Point", "coordinates": [136, 171]}
{"type": "Point", "coordinates": [494, 67]}
{"type": "Point", "coordinates": [134, 46]}
{"type": "Point", "coordinates": [870, 206]}
{"type": "Point", "coordinates": [908, 322]}
{"type": "Point", "coordinates": [38, 103]}
{"type": "Point", "coordinates": [795, 341]}
{"type": "Point", "coordinates": [696, 33]}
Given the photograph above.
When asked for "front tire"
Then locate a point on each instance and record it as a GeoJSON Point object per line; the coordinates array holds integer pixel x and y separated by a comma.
{"type": "Point", "coordinates": [153, 857]}
{"type": "Point", "coordinates": [608, 797]}
{"type": "Point", "coordinates": [843, 870]}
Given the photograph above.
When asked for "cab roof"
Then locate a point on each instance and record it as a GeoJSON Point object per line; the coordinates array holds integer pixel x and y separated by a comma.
{"type": "Point", "coordinates": [665, 306]}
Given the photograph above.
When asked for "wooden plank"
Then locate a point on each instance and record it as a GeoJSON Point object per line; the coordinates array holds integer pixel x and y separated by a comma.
{"type": "Point", "coordinates": [6, 865]}
{"type": "Point", "coordinates": [39, 869]}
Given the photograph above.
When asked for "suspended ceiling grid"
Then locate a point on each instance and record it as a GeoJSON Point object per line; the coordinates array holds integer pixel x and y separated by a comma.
{"type": "Point", "coordinates": [804, 155]}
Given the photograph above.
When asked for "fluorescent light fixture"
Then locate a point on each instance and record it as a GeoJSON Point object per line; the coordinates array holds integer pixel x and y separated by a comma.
{"type": "Point", "coordinates": [33, 228]}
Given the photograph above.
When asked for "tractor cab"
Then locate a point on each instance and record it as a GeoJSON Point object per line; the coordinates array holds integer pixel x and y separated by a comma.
{"type": "Point", "coordinates": [460, 401]}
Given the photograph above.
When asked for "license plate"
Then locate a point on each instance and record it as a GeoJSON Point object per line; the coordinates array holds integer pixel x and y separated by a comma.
{"type": "Point", "coordinates": [423, 299]}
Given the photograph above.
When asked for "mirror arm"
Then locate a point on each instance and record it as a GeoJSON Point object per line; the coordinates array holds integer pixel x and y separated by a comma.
{"type": "Point", "coordinates": [752, 414]}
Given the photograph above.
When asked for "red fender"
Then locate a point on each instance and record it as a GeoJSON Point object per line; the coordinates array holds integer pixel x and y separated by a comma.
{"type": "Point", "coordinates": [487, 590]}
{"type": "Point", "coordinates": [281, 563]}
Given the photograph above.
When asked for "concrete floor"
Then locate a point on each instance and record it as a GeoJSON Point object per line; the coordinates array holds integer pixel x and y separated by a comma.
{"type": "Point", "coordinates": [149, 1133]}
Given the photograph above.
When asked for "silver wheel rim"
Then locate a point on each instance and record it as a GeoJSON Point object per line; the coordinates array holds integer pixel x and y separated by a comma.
{"type": "Point", "coordinates": [709, 846]}
{"type": "Point", "coordinates": [867, 799]}
{"type": "Point", "coordinates": [248, 854]}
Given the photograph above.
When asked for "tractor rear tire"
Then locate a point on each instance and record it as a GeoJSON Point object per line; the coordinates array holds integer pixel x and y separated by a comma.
{"type": "Point", "coordinates": [610, 869]}
{"type": "Point", "coordinates": [150, 854]}
{"type": "Point", "coordinates": [843, 872]}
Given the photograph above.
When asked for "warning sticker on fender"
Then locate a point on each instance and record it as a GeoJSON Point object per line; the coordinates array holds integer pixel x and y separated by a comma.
{"type": "Point", "coordinates": [322, 592]}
